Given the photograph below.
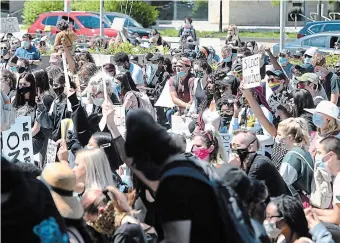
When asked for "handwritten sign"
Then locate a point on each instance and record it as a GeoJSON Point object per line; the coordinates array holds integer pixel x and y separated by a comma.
{"type": "Point", "coordinates": [51, 151]}
{"type": "Point", "coordinates": [251, 71]}
{"type": "Point", "coordinates": [17, 141]}
{"type": "Point", "coordinates": [9, 25]}
{"type": "Point", "coordinates": [226, 139]}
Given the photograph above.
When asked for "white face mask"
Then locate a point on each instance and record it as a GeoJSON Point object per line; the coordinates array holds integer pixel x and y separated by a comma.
{"type": "Point", "coordinates": [271, 230]}
{"type": "Point", "coordinates": [98, 101]}
{"type": "Point", "coordinates": [121, 69]}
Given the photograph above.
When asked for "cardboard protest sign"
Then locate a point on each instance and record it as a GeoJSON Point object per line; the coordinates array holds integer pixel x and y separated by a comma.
{"type": "Point", "coordinates": [17, 141]}
{"type": "Point", "coordinates": [164, 99]}
{"type": "Point", "coordinates": [118, 23]}
{"type": "Point", "coordinates": [251, 71]}
{"type": "Point", "coordinates": [119, 117]}
{"type": "Point", "coordinates": [51, 151]}
{"type": "Point", "coordinates": [65, 125]}
{"type": "Point", "coordinates": [9, 25]}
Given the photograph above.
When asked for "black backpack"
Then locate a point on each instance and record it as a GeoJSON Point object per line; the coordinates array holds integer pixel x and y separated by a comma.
{"type": "Point", "coordinates": [236, 221]}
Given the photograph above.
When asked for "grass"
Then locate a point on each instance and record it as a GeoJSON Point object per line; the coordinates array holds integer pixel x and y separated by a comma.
{"type": "Point", "coordinates": [245, 34]}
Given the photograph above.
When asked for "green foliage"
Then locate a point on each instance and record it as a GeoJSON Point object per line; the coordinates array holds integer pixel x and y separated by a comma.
{"type": "Point", "coordinates": [331, 60]}
{"type": "Point", "coordinates": [32, 9]}
{"type": "Point", "coordinates": [275, 2]}
{"type": "Point", "coordinates": [143, 12]}
{"type": "Point", "coordinates": [128, 49]}
{"type": "Point", "coordinates": [200, 9]}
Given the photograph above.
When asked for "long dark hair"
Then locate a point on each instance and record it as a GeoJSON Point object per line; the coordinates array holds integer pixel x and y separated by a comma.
{"type": "Point", "coordinates": [104, 141]}
{"type": "Point", "coordinates": [42, 82]}
{"type": "Point", "coordinates": [127, 83]}
{"type": "Point", "coordinates": [292, 211]}
{"type": "Point", "coordinates": [302, 100]}
{"type": "Point", "coordinates": [209, 139]}
{"type": "Point", "coordinates": [20, 98]}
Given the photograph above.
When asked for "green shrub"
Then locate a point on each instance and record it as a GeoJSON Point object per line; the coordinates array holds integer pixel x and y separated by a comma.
{"type": "Point", "coordinates": [143, 12]}
{"type": "Point", "coordinates": [33, 8]}
{"type": "Point", "coordinates": [127, 48]}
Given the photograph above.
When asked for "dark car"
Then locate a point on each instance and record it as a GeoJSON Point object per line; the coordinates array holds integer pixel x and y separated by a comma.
{"type": "Point", "coordinates": [130, 24]}
{"type": "Point", "coordinates": [318, 27]}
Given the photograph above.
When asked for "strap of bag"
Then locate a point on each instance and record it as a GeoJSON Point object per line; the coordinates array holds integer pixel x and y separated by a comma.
{"type": "Point", "coordinates": [303, 158]}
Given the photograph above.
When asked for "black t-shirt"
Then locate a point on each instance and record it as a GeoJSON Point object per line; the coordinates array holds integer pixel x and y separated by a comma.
{"type": "Point", "coordinates": [182, 198]}
{"type": "Point", "coordinates": [128, 233]}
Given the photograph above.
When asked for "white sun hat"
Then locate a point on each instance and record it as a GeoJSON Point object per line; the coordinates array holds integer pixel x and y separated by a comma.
{"type": "Point", "coordinates": [326, 107]}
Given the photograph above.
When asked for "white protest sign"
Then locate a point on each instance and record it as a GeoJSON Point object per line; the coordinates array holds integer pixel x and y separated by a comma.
{"type": "Point", "coordinates": [165, 99]}
{"type": "Point", "coordinates": [17, 141]}
{"type": "Point", "coordinates": [251, 71]}
{"type": "Point", "coordinates": [119, 117]}
{"type": "Point", "coordinates": [118, 23]}
{"type": "Point", "coordinates": [51, 151]}
{"type": "Point", "coordinates": [180, 124]}
{"type": "Point", "coordinates": [9, 25]}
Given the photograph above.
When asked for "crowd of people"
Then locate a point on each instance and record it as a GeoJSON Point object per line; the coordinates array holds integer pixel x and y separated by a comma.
{"type": "Point", "coordinates": [277, 179]}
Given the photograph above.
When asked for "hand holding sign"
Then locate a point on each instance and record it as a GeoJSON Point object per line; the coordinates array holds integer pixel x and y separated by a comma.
{"type": "Point", "coordinates": [63, 152]}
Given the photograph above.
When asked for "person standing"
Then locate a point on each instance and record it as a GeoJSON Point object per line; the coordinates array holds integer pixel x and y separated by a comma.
{"type": "Point", "coordinates": [65, 34]}
{"type": "Point", "coordinates": [28, 51]}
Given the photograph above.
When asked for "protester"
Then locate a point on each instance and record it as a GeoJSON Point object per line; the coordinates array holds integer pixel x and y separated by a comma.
{"type": "Point", "coordinates": [5, 55]}
{"type": "Point", "coordinates": [65, 34]}
{"type": "Point", "coordinates": [128, 91]}
{"type": "Point", "coordinates": [123, 64]}
{"type": "Point", "coordinates": [61, 181]}
{"type": "Point", "coordinates": [8, 83]}
{"type": "Point", "coordinates": [28, 51]}
{"type": "Point", "coordinates": [208, 147]}
{"type": "Point", "coordinates": [226, 60]}
{"type": "Point", "coordinates": [157, 40]}
{"type": "Point", "coordinates": [311, 82]}
{"type": "Point", "coordinates": [109, 213]}
{"type": "Point", "coordinates": [187, 29]}
{"type": "Point", "coordinates": [297, 165]}
{"type": "Point", "coordinates": [278, 83]}
{"type": "Point", "coordinates": [244, 146]}
{"type": "Point", "coordinates": [284, 62]}
{"type": "Point", "coordinates": [330, 81]}
{"type": "Point", "coordinates": [285, 220]}
{"type": "Point", "coordinates": [233, 40]}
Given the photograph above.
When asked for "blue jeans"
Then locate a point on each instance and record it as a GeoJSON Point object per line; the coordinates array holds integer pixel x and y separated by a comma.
{"type": "Point", "coordinates": [169, 113]}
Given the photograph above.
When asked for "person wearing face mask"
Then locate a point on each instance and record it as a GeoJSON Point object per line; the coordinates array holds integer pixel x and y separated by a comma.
{"type": "Point", "coordinates": [5, 55]}
{"type": "Point", "coordinates": [207, 146]}
{"type": "Point", "coordinates": [308, 54]}
{"type": "Point", "coordinates": [187, 26]}
{"type": "Point", "coordinates": [278, 83]}
{"type": "Point", "coordinates": [328, 153]}
{"type": "Point", "coordinates": [226, 109]}
{"type": "Point", "coordinates": [180, 86]}
{"type": "Point", "coordinates": [311, 82]}
{"type": "Point", "coordinates": [157, 75]}
{"type": "Point", "coordinates": [25, 103]}
{"type": "Point", "coordinates": [123, 64]}
{"type": "Point", "coordinates": [284, 62]}
{"type": "Point", "coordinates": [226, 62]}
{"type": "Point", "coordinates": [330, 81]}
{"type": "Point", "coordinates": [8, 83]}
{"type": "Point", "coordinates": [252, 46]}
{"type": "Point", "coordinates": [157, 40]}
{"type": "Point", "coordinates": [325, 118]}
{"type": "Point", "coordinates": [244, 147]}
{"type": "Point", "coordinates": [201, 69]}
{"type": "Point", "coordinates": [297, 165]}
{"type": "Point", "coordinates": [28, 51]}
{"type": "Point", "coordinates": [285, 220]}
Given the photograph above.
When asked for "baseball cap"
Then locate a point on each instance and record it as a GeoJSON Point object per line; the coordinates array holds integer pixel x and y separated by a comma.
{"type": "Point", "coordinates": [185, 61]}
{"type": "Point", "coordinates": [276, 73]}
{"type": "Point", "coordinates": [48, 28]}
{"type": "Point", "coordinates": [311, 51]}
{"type": "Point", "coordinates": [285, 51]}
{"type": "Point", "coordinates": [229, 79]}
{"type": "Point", "coordinates": [311, 77]}
{"type": "Point", "coordinates": [305, 68]}
{"type": "Point", "coordinates": [326, 107]}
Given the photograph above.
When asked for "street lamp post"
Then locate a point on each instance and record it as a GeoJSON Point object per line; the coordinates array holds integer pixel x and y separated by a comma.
{"type": "Point", "coordinates": [101, 18]}
{"type": "Point", "coordinates": [282, 24]}
{"type": "Point", "coordinates": [221, 17]}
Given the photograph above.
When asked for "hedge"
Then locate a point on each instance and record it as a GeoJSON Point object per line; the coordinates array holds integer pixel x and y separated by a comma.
{"type": "Point", "coordinates": [141, 11]}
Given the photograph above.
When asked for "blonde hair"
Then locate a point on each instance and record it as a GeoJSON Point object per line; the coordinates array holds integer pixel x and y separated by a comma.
{"type": "Point", "coordinates": [98, 171]}
{"type": "Point", "coordinates": [331, 126]}
{"type": "Point", "coordinates": [97, 80]}
{"type": "Point", "coordinates": [234, 28]}
{"type": "Point", "coordinates": [298, 129]}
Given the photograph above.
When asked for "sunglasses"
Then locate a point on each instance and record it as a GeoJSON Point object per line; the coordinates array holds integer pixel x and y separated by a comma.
{"type": "Point", "coordinates": [236, 146]}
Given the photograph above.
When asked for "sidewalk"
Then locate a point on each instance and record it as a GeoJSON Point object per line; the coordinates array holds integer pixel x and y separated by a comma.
{"type": "Point", "coordinates": [205, 26]}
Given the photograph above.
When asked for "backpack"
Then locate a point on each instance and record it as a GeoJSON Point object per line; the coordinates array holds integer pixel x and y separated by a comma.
{"type": "Point", "coordinates": [322, 194]}
{"type": "Point", "coordinates": [235, 219]}
{"type": "Point", "coordinates": [145, 103]}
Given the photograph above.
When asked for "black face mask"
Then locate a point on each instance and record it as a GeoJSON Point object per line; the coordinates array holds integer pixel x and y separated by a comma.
{"type": "Point", "coordinates": [59, 90]}
{"type": "Point", "coordinates": [199, 74]}
{"type": "Point", "coordinates": [22, 69]}
{"type": "Point", "coordinates": [242, 153]}
{"type": "Point", "coordinates": [24, 90]}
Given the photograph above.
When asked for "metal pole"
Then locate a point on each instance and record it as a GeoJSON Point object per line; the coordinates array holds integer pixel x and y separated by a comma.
{"type": "Point", "coordinates": [67, 6]}
{"type": "Point", "coordinates": [319, 10]}
{"type": "Point", "coordinates": [282, 24]}
{"type": "Point", "coordinates": [221, 17]}
{"type": "Point", "coordinates": [101, 18]}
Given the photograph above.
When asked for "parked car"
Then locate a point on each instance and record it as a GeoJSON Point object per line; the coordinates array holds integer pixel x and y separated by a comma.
{"type": "Point", "coordinates": [318, 27]}
{"type": "Point", "coordinates": [130, 24]}
{"type": "Point", "coordinates": [325, 42]}
{"type": "Point", "coordinates": [84, 23]}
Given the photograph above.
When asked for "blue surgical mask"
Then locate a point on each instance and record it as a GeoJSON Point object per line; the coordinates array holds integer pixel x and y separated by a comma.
{"type": "Point", "coordinates": [25, 44]}
{"type": "Point", "coordinates": [181, 74]}
{"type": "Point", "coordinates": [318, 120]}
{"type": "Point", "coordinates": [318, 161]}
{"type": "Point", "coordinates": [282, 60]}
{"type": "Point", "coordinates": [307, 60]}
{"type": "Point", "coordinates": [228, 59]}
{"type": "Point", "coordinates": [14, 69]}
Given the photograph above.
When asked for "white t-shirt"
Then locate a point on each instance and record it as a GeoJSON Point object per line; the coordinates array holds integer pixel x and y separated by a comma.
{"type": "Point", "coordinates": [336, 190]}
